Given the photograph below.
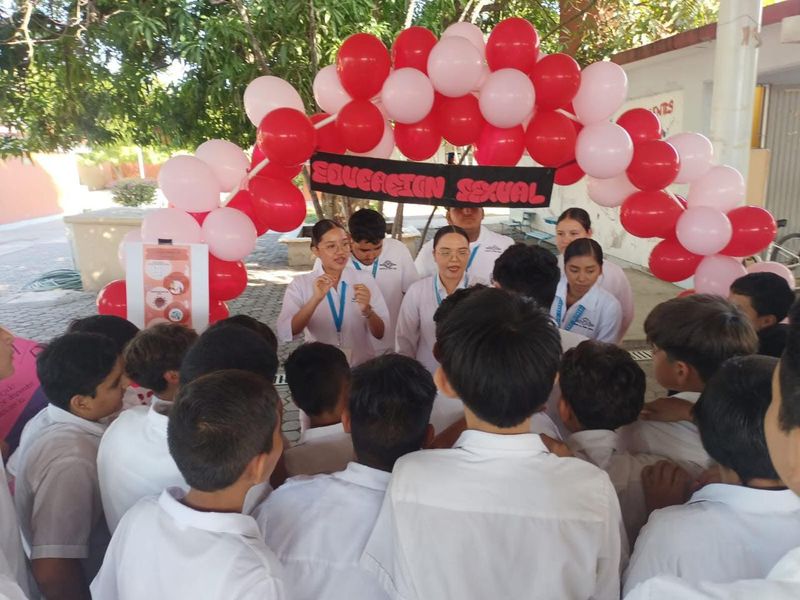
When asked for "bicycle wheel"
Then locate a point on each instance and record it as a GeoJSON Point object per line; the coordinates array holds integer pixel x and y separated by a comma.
{"type": "Point", "coordinates": [787, 251]}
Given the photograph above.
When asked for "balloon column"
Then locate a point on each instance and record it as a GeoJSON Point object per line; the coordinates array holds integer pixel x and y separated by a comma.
{"type": "Point", "coordinates": [499, 94]}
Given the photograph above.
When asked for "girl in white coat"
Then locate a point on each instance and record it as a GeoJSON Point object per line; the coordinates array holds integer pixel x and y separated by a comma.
{"type": "Point", "coordinates": [332, 304]}
{"type": "Point", "coordinates": [581, 305]}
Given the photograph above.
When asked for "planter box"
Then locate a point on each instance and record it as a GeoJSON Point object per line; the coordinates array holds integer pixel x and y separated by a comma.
{"type": "Point", "coordinates": [298, 244]}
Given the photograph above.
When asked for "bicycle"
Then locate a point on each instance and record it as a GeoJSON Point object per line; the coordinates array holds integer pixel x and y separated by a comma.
{"type": "Point", "coordinates": [786, 250]}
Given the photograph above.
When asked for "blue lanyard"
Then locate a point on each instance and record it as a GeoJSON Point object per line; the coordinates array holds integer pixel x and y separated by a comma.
{"type": "Point", "coordinates": [338, 318]}
{"type": "Point", "coordinates": [578, 314]}
{"type": "Point", "coordinates": [472, 255]}
{"type": "Point", "coordinates": [436, 288]}
{"type": "Point", "coordinates": [357, 265]}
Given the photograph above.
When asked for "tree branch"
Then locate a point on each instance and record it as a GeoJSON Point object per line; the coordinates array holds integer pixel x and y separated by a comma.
{"type": "Point", "coordinates": [258, 52]}
{"type": "Point", "coordinates": [312, 37]}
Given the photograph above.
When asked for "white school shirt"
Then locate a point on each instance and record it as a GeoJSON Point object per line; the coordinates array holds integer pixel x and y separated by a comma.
{"type": "Point", "coordinates": [416, 331]}
{"type": "Point", "coordinates": [319, 450]}
{"type": "Point", "coordinates": [394, 272]}
{"type": "Point", "coordinates": [723, 533]}
{"type": "Point", "coordinates": [13, 566]}
{"type": "Point", "coordinates": [604, 448]}
{"type": "Point", "coordinates": [57, 492]}
{"type": "Point", "coordinates": [679, 441]}
{"type": "Point", "coordinates": [318, 527]}
{"type": "Point", "coordinates": [355, 338]}
{"type": "Point", "coordinates": [614, 281]}
{"type": "Point", "coordinates": [782, 583]}
{"type": "Point", "coordinates": [162, 549]}
{"type": "Point", "coordinates": [134, 460]}
{"type": "Point", "coordinates": [597, 315]}
{"type": "Point", "coordinates": [487, 248]}
{"type": "Point", "coordinates": [497, 516]}
{"type": "Point", "coordinates": [569, 340]}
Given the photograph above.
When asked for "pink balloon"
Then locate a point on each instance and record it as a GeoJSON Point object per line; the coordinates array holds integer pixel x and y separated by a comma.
{"type": "Point", "coordinates": [170, 224]}
{"type": "Point", "coordinates": [190, 184]}
{"type": "Point", "coordinates": [229, 233]}
{"type": "Point", "coordinates": [385, 147]}
{"type": "Point", "coordinates": [696, 153]}
{"type": "Point", "coordinates": [604, 86]}
{"type": "Point", "coordinates": [507, 98]}
{"type": "Point", "coordinates": [610, 192]}
{"type": "Point", "coordinates": [265, 94]}
{"type": "Point", "coordinates": [703, 230]}
{"type": "Point", "coordinates": [228, 162]}
{"type": "Point", "coordinates": [716, 273]}
{"type": "Point", "coordinates": [455, 66]}
{"type": "Point", "coordinates": [134, 235]}
{"type": "Point", "coordinates": [604, 150]}
{"type": "Point", "coordinates": [328, 90]}
{"type": "Point", "coordinates": [774, 267]}
{"type": "Point", "coordinates": [722, 188]}
{"type": "Point", "coordinates": [407, 95]}
{"type": "Point", "coordinates": [470, 31]}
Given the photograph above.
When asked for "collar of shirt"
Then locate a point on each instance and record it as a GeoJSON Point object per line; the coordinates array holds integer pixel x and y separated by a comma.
{"type": "Point", "coordinates": [746, 499]}
{"type": "Point", "coordinates": [482, 236]}
{"type": "Point", "coordinates": [215, 522]}
{"type": "Point", "coordinates": [599, 445]}
{"type": "Point", "coordinates": [316, 433]}
{"type": "Point", "coordinates": [589, 299]}
{"type": "Point", "coordinates": [59, 415]}
{"type": "Point", "coordinates": [442, 291]}
{"type": "Point", "coordinates": [156, 419]}
{"type": "Point", "coordinates": [365, 476]}
{"type": "Point", "coordinates": [481, 442]}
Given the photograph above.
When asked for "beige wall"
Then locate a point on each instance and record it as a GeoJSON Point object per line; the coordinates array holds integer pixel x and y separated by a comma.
{"type": "Point", "coordinates": [37, 188]}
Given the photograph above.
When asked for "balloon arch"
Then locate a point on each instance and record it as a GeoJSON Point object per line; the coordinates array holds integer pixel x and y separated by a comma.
{"type": "Point", "coordinates": [502, 96]}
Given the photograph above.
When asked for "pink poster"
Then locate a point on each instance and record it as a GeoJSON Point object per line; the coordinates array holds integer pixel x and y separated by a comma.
{"type": "Point", "coordinates": [20, 395]}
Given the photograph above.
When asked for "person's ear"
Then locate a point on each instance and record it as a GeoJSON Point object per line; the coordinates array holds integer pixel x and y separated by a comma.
{"type": "Point", "coordinates": [447, 217]}
{"type": "Point", "coordinates": [172, 377]}
{"type": "Point", "coordinates": [564, 410]}
{"type": "Point", "coordinates": [589, 233]}
{"type": "Point", "coordinates": [81, 405]}
{"type": "Point", "coordinates": [792, 475]}
{"type": "Point", "coordinates": [764, 321]}
{"type": "Point", "coordinates": [346, 422]}
{"type": "Point", "coordinates": [443, 384]}
{"type": "Point", "coordinates": [430, 434]}
{"type": "Point", "coordinates": [683, 372]}
{"type": "Point", "coordinates": [483, 213]}
{"type": "Point", "coordinates": [314, 251]}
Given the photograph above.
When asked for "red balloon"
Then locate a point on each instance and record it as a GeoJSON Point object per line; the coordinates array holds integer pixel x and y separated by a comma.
{"type": "Point", "coordinates": [654, 166]}
{"type": "Point", "coordinates": [569, 174]}
{"type": "Point", "coordinates": [273, 169]}
{"type": "Point", "coordinates": [556, 79]}
{"type": "Point", "coordinates": [411, 48]}
{"type": "Point", "coordinates": [459, 119]}
{"type": "Point", "coordinates": [650, 214]}
{"type": "Point", "coordinates": [286, 137]}
{"type": "Point", "coordinates": [112, 299]}
{"type": "Point", "coordinates": [500, 147]}
{"type": "Point", "coordinates": [243, 201]}
{"type": "Point", "coordinates": [418, 141]}
{"type": "Point", "coordinates": [278, 204]}
{"type": "Point", "coordinates": [226, 279]}
{"type": "Point", "coordinates": [328, 138]}
{"type": "Point", "coordinates": [360, 125]}
{"type": "Point", "coordinates": [217, 312]}
{"type": "Point", "coordinates": [669, 261]}
{"type": "Point", "coordinates": [550, 139]}
{"type": "Point", "coordinates": [686, 293]}
{"type": "Point", "coordinates": [753, 230]}
{"type": "Point", "coordinates": [642, 125]}
{"type": "Point", "coordinates": [513, 44]}
{"type": "Point", "coordinates": [199, 217]}
{"type": "Point", "coordinates": [363, 65]}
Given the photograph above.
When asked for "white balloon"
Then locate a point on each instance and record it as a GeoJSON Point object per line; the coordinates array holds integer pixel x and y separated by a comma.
{"type": "Point", "coordinates": [265, 94]}
{"type": "Point", "coordinates": [722, 187]}
{"type": "Point", "coordinates": [328, 90]}
{"type": "Point", "coordinates": [604, 86]}
{"type": "Point", "coordinates": [610, 192]}
{"type": "Point", "coordinates": [507, 98]}
{"type": "Point", "coordinates": [454, 66]}
{"type": "Point", "coordinates": [228, 162]}
{"type": "Point", "coordinates": [189, 184]}
{"type": "Point", "coordinates": [696, 153]}
{"type": "Point", "coordinates": [384, 148]}
{"type": "Point", "coordinates": [470, 31]}
{"type": "Point", "coordinates": [407, 95]}
{"type": "Point", "coordinates": [603, 150]}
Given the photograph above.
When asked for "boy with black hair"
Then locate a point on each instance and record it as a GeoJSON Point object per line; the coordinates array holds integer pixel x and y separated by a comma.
{"type": "Point", "coordinates": [132, 461]}
{"type": "Point", "coordinates": [530, 271]}
{"type": "Point", "coordinates": [262, 329]}
{"type": "Point", "coordinates": [57, 493]}
{"type": "Point", "coordinates": [319, 378]}
{"type": "Point", "coordinates": [318, 526]}
{"type": "Point", "coordinates": [602, 389]}
{"type": "Point", "coordinates": [691, 337]}
{"type": "Point", "coordinates": [738, 528]}
{"type": "Point", "coordinates": [225, 436]}
{"type": "Point", "coordinates": [766, 299]}
{"type": "Point", "coordinates": [782, 433]}
{"type": "Point", "coordinates": [497, 516]}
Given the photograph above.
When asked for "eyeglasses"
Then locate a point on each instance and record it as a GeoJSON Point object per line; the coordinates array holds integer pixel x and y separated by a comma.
{"type": "Point", "coordinates": [332, 247]}
{"type": "Point", "coordinates": [446, 253]}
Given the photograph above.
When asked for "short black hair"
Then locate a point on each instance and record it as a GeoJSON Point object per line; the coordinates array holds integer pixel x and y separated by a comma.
{"type": "Point", "coordinates": [602, 384]}
{"type": "Point", "coordinates": [500, 352]}
{"type": "Point", "coordinates": [528, 270]}
{"type": "Point", "coordinates": [390, 407]}
{"type": "Point", "coordinates": [730, 416]}
{"type": "Point", "coordinates": [317, 375]}
{"type": "Point", "coordinates": [156, 350]}
{"type": "Point", "coordinates": [262, 329]}
{"type": "Point", "coordinates": [229, 347]}
{"type": "Point", "coordinates": [218, 424]}
{"type": "Point", "coordinates": [702, 330]}
{"type": "Point", "coordinates": [367, 225]}
{"type": "Point", "coordinates": [449, 229]}
{"type": "Point", "coordinates": [576, 214]}
{"type": "Point", "coordinates": [320, 228]}
{"type": "Point", "coordinates": [447, 306]}
{"type": "Point", "coordinates": [584, 247]}
{"type": "Point", "coordinates": [75, 364]}
{"type": "Point", "coordinates": [769, 294]}
{"type": "Point", "coordinates": [789, 374]}
{"type": "Point", "coordinates": [120, 330]}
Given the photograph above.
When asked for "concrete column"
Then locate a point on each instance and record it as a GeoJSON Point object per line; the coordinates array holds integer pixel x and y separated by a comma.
{"type": "Point", "coordinates": [735, 70]}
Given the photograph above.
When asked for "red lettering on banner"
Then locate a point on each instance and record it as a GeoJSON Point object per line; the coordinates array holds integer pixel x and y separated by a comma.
{"type": "Point", "coordinates": [406, 179]}
{"type": "Point", "coordinates": [378, 179]}
{"type": "Point", "coordinates": [533, 197]}
{"type": "Point", "coordinates": [393, 185]}
{"type": "Point", "coordinates": [418, 186]}
{"type": "Point", "coordinates": [349, 175]}
{"type": "Point", "coordinates": [464, 186]}
{"type": "Point", "coordinates": [363, 179]}
{"type": "Point", "coordinates": [478, 191]}
{"type": "Point", "coordinates": [519, 192]}
{"type": "Point", "coordinates": [503, 191]}
{"type": "Point", "coordinates": [335, 174]}
{"type": "Point", "coordinates": [435, 187]}
{"type": "Point", "coordinates": [320, 172]}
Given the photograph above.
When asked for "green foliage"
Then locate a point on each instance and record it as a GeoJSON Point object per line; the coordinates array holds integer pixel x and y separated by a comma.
{"type": "Point", "coordinates": [134, 192]}
{"type": "Point", "coordinates": [120, 153]}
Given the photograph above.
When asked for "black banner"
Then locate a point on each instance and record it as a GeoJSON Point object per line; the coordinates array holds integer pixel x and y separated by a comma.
{"type": "Point", "coordinates": [428, 183]}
